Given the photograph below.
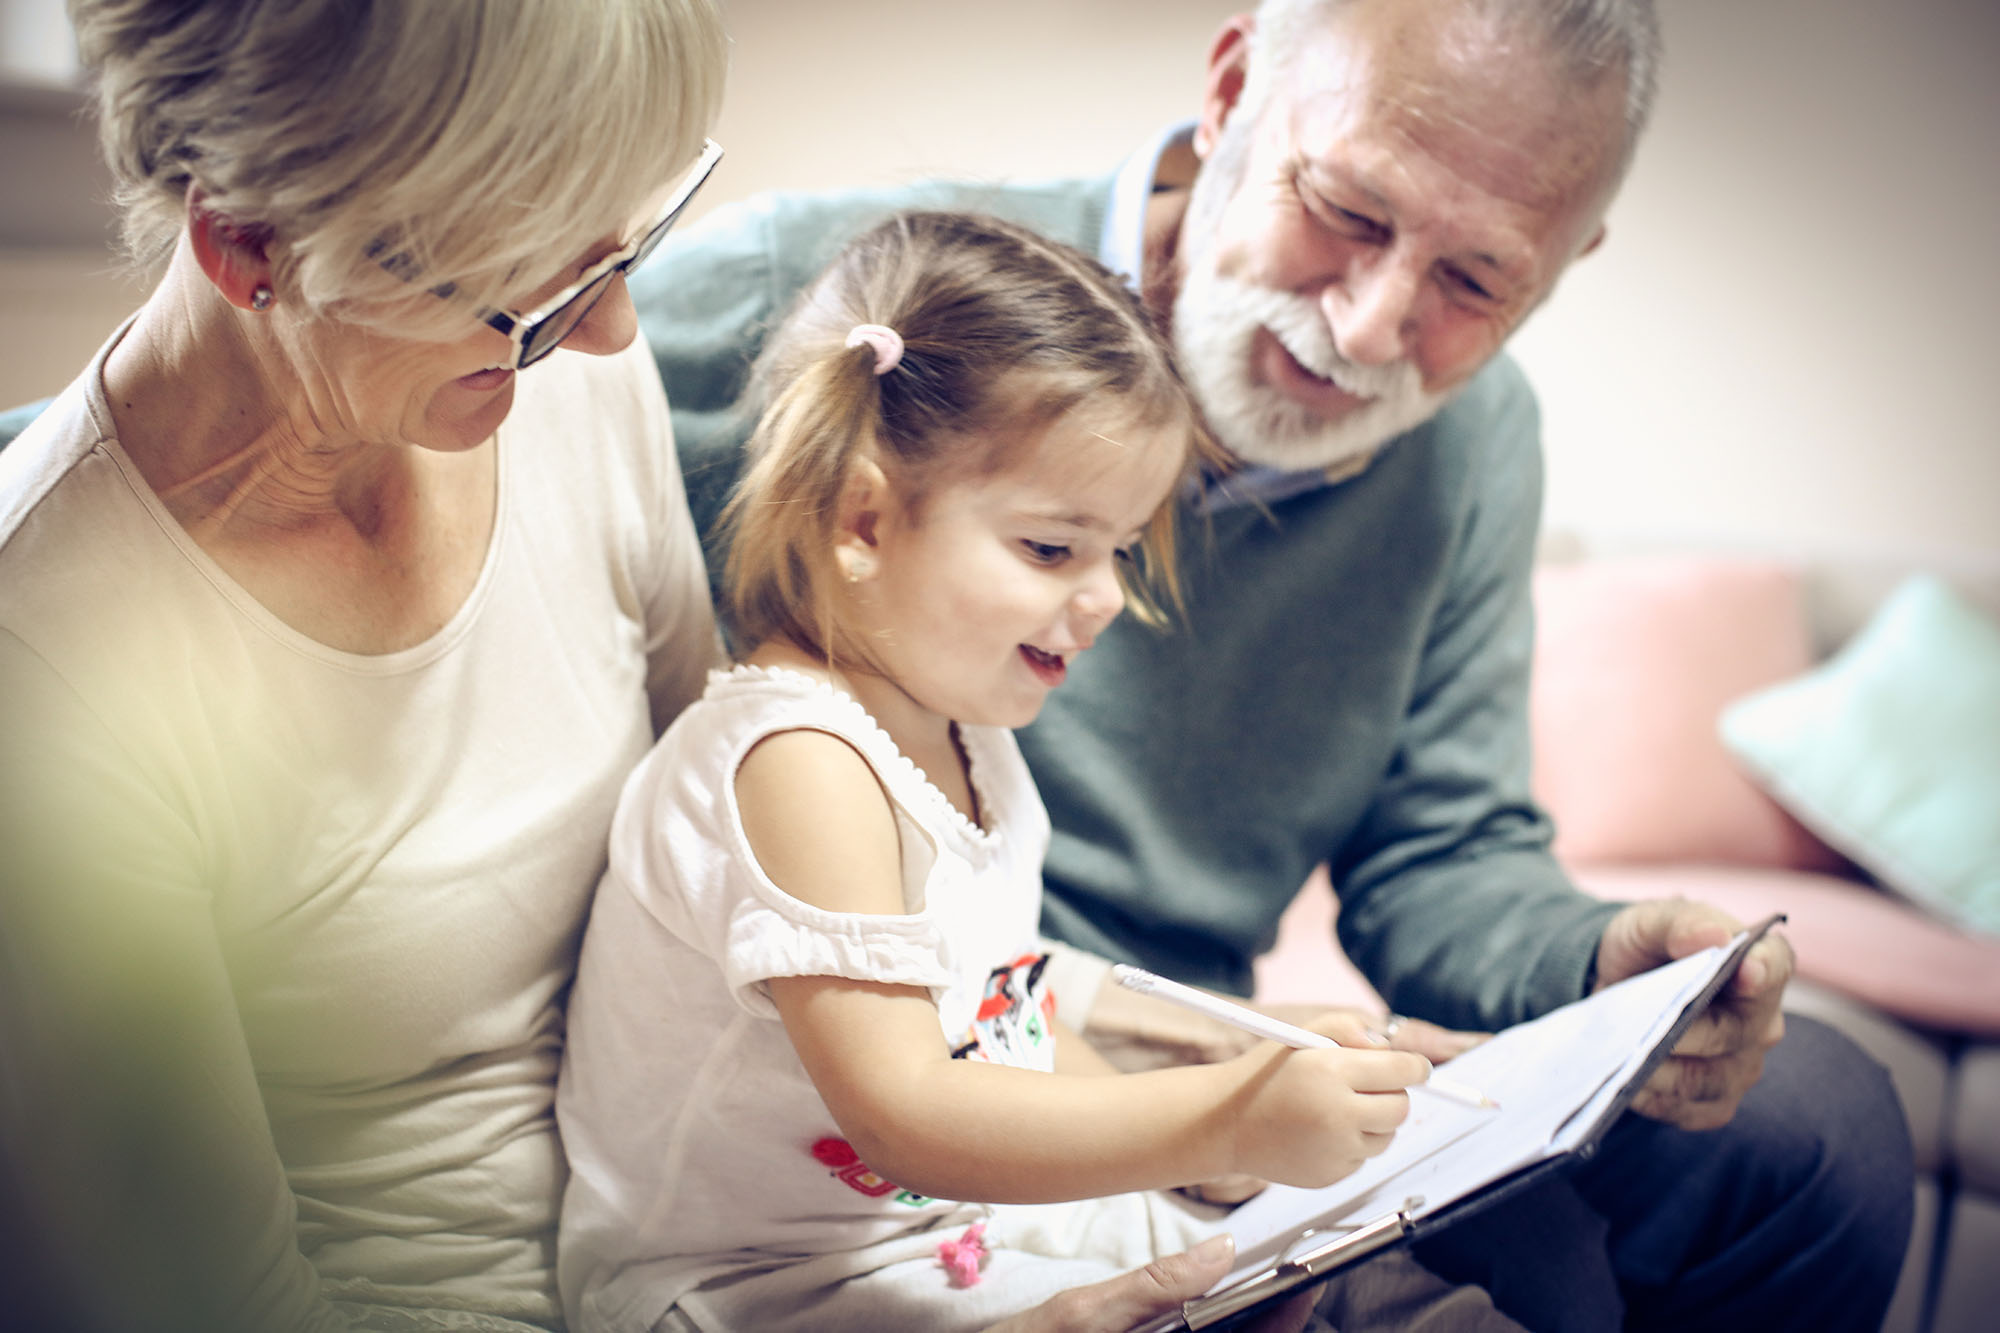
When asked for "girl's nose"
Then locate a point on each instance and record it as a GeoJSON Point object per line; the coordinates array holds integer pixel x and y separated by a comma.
{"type": "Point", "coordinates": [1100, 598]}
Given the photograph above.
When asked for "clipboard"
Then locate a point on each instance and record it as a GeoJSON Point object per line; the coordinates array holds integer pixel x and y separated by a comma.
{"type": "Point", "coordinates": [1320, 1247]}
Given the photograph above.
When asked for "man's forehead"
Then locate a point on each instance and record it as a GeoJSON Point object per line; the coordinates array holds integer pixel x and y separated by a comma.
{"type": "Point", "coordinates": [1436, 79]}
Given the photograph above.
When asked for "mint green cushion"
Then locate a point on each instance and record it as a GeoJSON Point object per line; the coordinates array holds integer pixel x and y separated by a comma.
{"type": "Point", "coordinates": [1890, 750]}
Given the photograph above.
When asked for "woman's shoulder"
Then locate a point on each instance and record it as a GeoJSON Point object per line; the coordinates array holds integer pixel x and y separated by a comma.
{"type": "Point", "coordinates": [78, 528]}
{"type": "Point", "coordinates": [47, 455]}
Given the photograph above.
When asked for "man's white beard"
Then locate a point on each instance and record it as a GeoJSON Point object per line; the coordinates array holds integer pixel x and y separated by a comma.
{"type": "Point", "coordinates": [1215, 325]}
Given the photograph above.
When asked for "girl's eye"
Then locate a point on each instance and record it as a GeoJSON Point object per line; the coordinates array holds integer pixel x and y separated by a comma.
{"type": "Point", "coordinates": [1045, 553]}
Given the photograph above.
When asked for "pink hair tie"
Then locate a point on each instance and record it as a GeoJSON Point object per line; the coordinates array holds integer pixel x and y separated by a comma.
{"type": "Point", "coordinates": [888, 344]}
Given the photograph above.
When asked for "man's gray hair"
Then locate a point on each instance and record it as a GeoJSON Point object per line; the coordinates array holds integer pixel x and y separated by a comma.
{"type": "Point", "coordinates": [1588, 39]}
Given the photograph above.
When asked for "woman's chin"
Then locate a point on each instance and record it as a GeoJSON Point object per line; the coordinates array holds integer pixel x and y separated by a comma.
{"type": "Point", "coordinates": [461, 418]}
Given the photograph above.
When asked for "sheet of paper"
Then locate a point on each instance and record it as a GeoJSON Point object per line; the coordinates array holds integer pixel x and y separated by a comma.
{"type": "Point", "coordinates": [1542, 1074]}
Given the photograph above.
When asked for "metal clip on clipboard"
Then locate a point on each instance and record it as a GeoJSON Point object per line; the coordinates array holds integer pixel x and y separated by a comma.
{"type": "Point", "coordinates": [1311, 1255]}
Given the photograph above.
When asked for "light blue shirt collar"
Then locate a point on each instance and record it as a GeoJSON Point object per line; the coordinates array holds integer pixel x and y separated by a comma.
{"type": "Point", "coordinates": [1121, 245]}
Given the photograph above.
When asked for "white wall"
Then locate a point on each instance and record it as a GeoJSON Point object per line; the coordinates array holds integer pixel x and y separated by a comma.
{"type": "Point", "coordinates": [876, 91]}
{"type": "Point", "coordinates": [1787, 342]}
{"type": "Point", "coordinates": [35, 41]}
{"type": "Point", "coordinates": [1782, 345]}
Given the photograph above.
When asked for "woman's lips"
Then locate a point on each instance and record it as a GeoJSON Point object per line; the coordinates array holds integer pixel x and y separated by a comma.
{"type": "Point", "coordinates": [490, 378]}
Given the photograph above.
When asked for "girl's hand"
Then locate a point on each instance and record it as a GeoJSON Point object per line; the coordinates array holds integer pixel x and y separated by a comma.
{"type": "Point", "coordinates": [1309, 1117]}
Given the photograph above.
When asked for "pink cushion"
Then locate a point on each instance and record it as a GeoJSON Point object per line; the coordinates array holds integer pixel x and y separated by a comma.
{"type": "Point", "coordinates": [1306, 965]}
{"type": "Point", "coordinates": [1848, 935]}
{"type": "Point", "coordinates": [1634, 662]}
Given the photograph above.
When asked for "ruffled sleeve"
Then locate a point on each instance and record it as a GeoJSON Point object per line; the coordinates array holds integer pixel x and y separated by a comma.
{"type": "Point", "coordinates": [774, 935]}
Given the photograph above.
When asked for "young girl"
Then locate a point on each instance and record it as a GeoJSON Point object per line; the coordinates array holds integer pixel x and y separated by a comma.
{"type": "Point", "coordinates": [810, 1048]}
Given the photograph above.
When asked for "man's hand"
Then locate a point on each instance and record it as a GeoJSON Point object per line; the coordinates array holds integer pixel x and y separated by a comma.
{"type": "Point", "coordinates": [1722, 1054]}
{"type": "Point", "coordinates": [1355, 1027]}
{"type": "Point", "coordinates": [1135, 1298]}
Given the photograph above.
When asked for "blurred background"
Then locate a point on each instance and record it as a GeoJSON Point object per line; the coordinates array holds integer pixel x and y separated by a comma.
{"type": "Point", "coordinates": [1783, 347]}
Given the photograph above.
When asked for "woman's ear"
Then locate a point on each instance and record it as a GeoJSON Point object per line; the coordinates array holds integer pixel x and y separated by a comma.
{"type": "Point", "coordinates": [857, 535]}
{"type": "Point", "coordinates": [232, 256]}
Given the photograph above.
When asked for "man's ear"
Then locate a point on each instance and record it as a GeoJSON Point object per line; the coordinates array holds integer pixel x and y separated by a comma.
{"type": "Point", "coordinates": [1228, 66]}
{"type": "Point", "coordinates": [233, 257]}
{"type": "Point", "coordinates": [864, 499]}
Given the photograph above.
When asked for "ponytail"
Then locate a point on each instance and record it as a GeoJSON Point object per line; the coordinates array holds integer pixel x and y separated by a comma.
{"type": "Point", "coordinates": [781, 522]}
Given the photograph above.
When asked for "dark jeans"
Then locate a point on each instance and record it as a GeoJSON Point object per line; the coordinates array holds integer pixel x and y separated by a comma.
{"type": "Point", "coordinates": [1794, 1216]}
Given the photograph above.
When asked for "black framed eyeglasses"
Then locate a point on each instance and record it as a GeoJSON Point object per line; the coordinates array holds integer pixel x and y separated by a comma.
{"type": "Point", "coordinates": [541, 331]}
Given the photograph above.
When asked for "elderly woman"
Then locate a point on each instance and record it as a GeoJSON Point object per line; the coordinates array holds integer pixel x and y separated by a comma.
{"type": "Point", "coordinates": [329, 629]}
{"type": "Point", "coordinates": [335, 604]}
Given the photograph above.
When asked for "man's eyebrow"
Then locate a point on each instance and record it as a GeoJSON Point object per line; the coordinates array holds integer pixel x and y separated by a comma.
{"type": "Point", "coordinates": [1346, 179]}
{"type": "Point", "coordinates": [1516, 266]}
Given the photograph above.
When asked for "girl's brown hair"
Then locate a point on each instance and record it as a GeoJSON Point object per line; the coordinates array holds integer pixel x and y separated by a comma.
{"type": "Point", "coordinates": [1004, 333]}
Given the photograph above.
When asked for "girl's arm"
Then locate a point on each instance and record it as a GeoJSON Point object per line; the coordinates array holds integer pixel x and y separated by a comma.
{"type": "Point", "coordinates": [1075, 1055]}
{"type": "Point", "coordinates": [822, 829]}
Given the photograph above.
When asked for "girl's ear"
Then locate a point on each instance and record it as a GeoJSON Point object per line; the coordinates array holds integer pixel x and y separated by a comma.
{"type": "Point", "coordinates": [232, 257]}
{"type": "Point", "coordinates": [857, 535]}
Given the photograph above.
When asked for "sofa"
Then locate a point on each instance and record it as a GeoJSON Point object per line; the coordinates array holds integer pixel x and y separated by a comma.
{"type": "Point", "coordinates": [1647, 664]}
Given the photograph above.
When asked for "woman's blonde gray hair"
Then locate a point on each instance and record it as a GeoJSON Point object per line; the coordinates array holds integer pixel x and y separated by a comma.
{"type": "Point", "coordinates": [383, 149]}
{"type": "Point", "coordinates": [1004, 333]}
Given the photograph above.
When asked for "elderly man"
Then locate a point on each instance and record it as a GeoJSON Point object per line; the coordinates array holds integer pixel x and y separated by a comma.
{"type": "Point", "coordinates": [1375, 195]}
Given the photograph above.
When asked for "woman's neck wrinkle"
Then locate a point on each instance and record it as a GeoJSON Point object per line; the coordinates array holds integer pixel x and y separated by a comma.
{"type": "Point", "coordinates": [218, 437]}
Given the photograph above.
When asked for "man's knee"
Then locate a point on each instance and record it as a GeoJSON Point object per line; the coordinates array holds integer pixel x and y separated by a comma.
{"type": "Point", "coordinates": [1826, 1119]}
{"type": "Point", "coordinates": [1803, 1202]}
{"type": "Point", "coordinates": [1863, 1170]}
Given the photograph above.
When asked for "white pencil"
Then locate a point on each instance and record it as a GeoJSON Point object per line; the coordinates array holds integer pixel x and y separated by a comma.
{"type": "Point", "coordinates": [1262, 1025]}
